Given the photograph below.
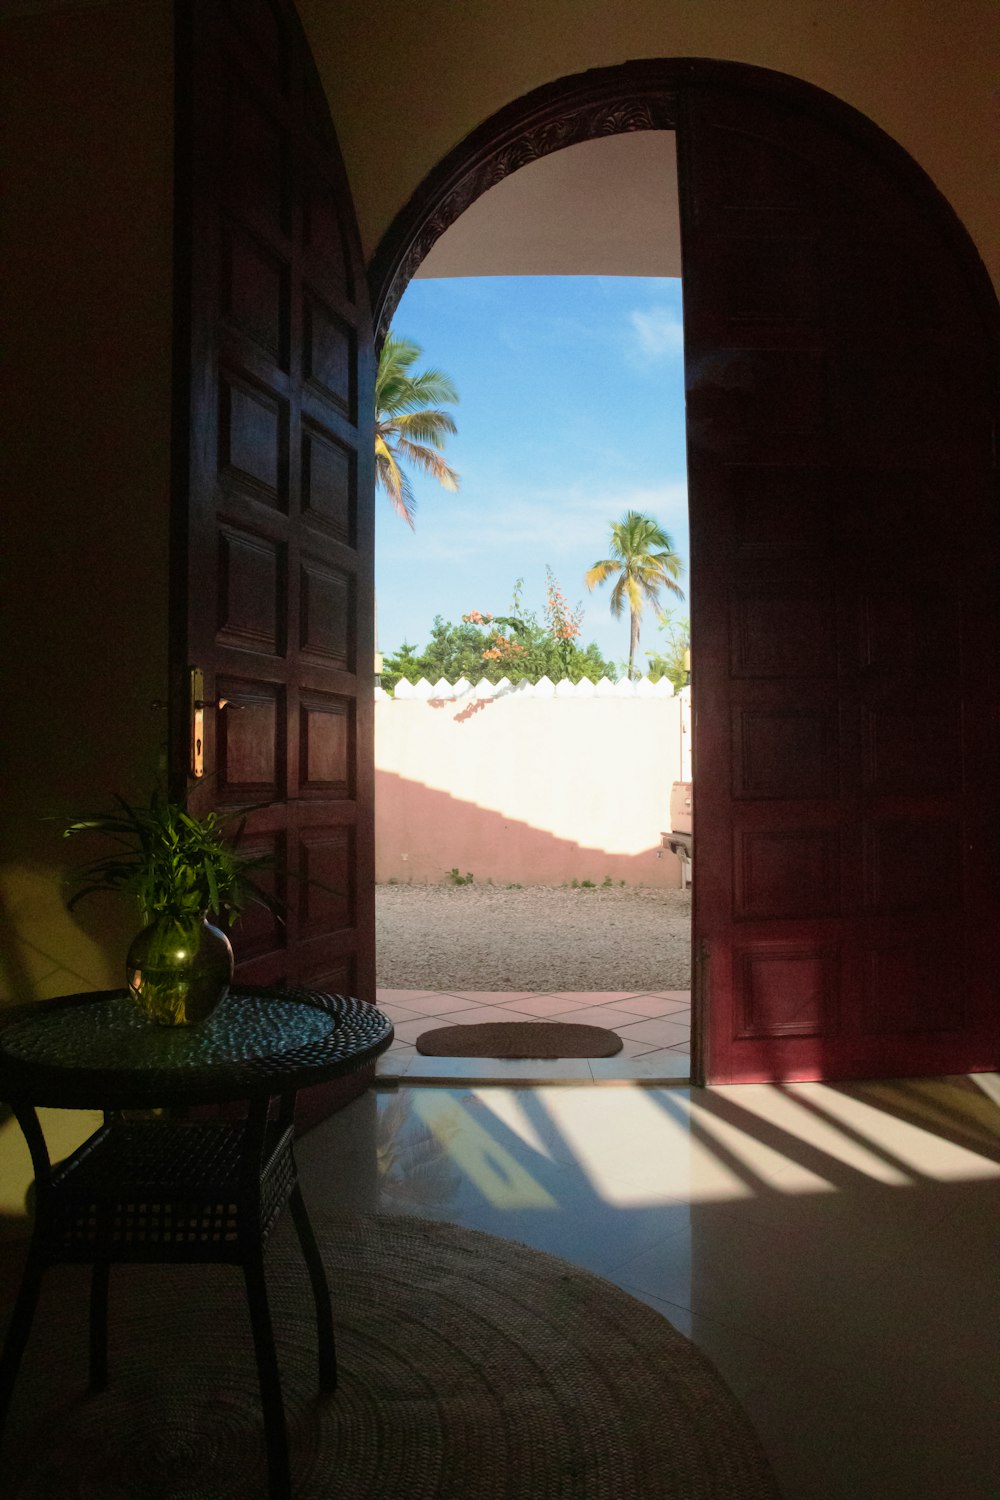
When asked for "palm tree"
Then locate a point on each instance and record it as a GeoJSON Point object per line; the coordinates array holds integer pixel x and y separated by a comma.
{"type": "Point", "coordinates": [410, 427]}
{"type": "Point", "coordinates": [643, 563]}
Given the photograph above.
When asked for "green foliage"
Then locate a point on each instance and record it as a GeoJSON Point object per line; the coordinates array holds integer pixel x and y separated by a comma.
{"type": "Point", "coordinates": [410, 425]}
{"type": "Point", "coordinates": [671, 659]}
{"type": "Point", "coordinates": [587, 885]}
{"type": "Point", "coordinates": [518, 646]}
{"type": "Point", "coordinates": [172, 863]}
{"type": "Point", "coordinates": [606, 883]}
{"type": "Point", "coordinates": [456, 879]}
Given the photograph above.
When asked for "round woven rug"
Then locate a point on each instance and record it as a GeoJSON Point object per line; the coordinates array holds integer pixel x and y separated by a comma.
{"type": "Point", "coordinates": [472, 1368]}
{"type": "Point", "coordinates": [545, 1039]}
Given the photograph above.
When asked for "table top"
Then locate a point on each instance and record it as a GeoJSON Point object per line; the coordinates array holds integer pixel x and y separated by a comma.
{"type": "Point", "coordinates": [98, 1051]}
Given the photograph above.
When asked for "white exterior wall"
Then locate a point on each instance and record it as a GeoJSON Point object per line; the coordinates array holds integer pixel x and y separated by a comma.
{"type": "Point", "coordinates": [536, 786]}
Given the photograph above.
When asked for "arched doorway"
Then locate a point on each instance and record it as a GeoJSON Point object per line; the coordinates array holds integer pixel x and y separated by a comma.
{"type": "Point", "coordinates": [839, 341]}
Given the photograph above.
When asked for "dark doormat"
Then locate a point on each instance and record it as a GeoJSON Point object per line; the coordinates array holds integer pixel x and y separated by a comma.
{"type": "Point", "coordinates": [521, 1039]}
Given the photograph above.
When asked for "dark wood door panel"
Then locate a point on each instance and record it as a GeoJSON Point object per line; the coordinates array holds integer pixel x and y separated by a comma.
{"type": "Point", "coordinates": [843, 555]}
{"type": "Point", "coordinates": [252, 607]}
{"type": "Point", "coordinates": [274, 582]}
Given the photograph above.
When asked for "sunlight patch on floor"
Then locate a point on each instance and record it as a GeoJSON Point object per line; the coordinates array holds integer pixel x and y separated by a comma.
{"type": "Point", "coordinates": [644, 1147]}
{"type": "Point", "coordinates": [800, 1151]}
{"type": "Point", "coordinates": [510, 1111]}
{"type": "Point", "coordinates": [500, 1177]}
{"type": "Point", "coordinates": [830, 1133]}
{"type": "Point", "coordinates": [631, 1150]}
{"type": "Point", "coordinates": [989, 1083]}
{"type": "Point", "coordinates": [925, 1152]}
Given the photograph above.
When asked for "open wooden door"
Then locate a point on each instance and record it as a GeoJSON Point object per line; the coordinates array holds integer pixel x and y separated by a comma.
{"type": "Point", "coordinates": [273, 550]}
{"type": "Point", "coordinates": [839, 385]}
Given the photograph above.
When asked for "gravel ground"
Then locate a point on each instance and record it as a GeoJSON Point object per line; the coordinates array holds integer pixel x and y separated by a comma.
{"type": "Point", "coordinates": [487, 937]}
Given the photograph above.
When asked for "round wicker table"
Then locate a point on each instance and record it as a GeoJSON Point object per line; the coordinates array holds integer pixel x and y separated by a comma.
{"type": "Point", "coordinates": [157, 1189]}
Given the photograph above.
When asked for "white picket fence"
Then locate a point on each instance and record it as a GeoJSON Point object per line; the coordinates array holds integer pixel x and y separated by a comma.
{"type": "Point", "coordinates": [442, 690]}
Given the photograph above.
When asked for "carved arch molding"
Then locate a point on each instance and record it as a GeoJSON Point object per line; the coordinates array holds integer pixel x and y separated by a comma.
{"type": "Point", "coordinates": [606, 102]}
{"type": "Point", "coordinates": [641, 95]}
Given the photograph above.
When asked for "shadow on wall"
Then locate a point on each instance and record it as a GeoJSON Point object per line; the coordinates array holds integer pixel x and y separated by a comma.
{"type": "Point", "coordinates": [421, 834]}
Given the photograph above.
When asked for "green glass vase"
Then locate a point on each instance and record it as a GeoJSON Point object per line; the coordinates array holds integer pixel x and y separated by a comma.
{"type": "Point", "coordinates": [179, 970]}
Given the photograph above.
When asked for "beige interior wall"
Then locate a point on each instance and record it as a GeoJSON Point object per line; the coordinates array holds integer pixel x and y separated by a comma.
{"type": "Point", "coordinates": [406, 82]}
{"type": "Point", "coordinates": [87, 119]}
{"type": "Point", "coordinates": [86, 287]}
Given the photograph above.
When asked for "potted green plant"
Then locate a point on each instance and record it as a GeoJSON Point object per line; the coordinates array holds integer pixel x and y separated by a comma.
{"type": "Point", "coordinates": [182, 870]}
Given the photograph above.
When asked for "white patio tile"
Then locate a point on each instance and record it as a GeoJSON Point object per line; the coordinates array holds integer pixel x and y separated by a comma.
{"type": "Point", "coordinates": [634, 1049]}
{"type": "Point", "coordinates": [399, 1012]}
{"type": "Point", "coordinates": [661, 1033]}
{"type": "Point", "coordinates": [606, 1016]}
{"type": "Point", "coordinates": [437, 1003]}
{"type": "Point", "coordinates": [542, 1006]}
{"type": "Point", "coordinates": [593, 997]}
{"type": "Point", "coordinates": [477, 1015]}
{"type": "Point", "coordinates": [662, 1063]}
{"type": "Point", "coordinates": [494, 997]}
{"type": "Point", "coordinates": [398, 997]}
{"type": "Point", "coordinates": [498, 1069]}
{"type": "Point", "coordinates": [654, 1005]}
{"type": "Point", "coordinates": [408, 1031]}
{"type": "Point", "coordinates": [393, 1064]}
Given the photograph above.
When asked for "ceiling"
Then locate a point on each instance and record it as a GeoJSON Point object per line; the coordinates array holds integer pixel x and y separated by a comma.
{"type": "Point", "coordinates": [602, 208]}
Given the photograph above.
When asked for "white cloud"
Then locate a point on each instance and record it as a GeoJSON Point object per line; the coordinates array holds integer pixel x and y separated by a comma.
{"type": "Point", "coordinates": [574, 516]}
{"type": "Point", "coordinates": [549, 521]}
{"type": "Point", "coordinates": [657, 334]}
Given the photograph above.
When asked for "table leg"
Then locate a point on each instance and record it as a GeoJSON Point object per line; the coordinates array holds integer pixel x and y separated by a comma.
{"type": "Point", "coordinates": [99, 1277]}
{"type": "Point", "coordinates": [18, 1330]}
{"type": "Point", "coordinates": [275, 1435]}
{"type": "Point", "coordinates": [320, 1290]}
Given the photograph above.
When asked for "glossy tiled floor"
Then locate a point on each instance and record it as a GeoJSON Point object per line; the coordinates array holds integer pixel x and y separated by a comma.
{"type": "Point", "coordinates": [655, 1030]}
{"type": "Point", "coordinates": [832, 1249]}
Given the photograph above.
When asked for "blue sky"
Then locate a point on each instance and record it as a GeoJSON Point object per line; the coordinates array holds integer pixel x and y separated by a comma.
{"type": "Point", "coordinates": [571, 413]}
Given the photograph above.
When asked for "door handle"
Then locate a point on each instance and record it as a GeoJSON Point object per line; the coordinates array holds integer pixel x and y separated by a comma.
{"type": "Point", "coordinates": [196, 686]}
{"type": "Point", "coordinates": [198, 705]}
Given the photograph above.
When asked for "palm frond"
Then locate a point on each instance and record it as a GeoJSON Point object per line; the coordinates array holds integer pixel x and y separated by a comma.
{"type": "Point", "coordinates": [424, 426]}
{"type": "Point", "coordinates": [408, 418]}
{"type": "Point", "coordinates": [606, 568]}
{"type": "Point", "coordinates": [431, 388]}
{"type": "Point", "coordinates": [427, 460]}
{"type": "Point", "coordinates": [390, 477]}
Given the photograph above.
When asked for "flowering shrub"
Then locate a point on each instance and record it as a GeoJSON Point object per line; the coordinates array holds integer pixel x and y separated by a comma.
{"type": "Point", "coordinates": [519, 646]}
{"type": "Point", "coordinates": [564, 623]}
{"type": "Point", "coordinates": [502, 649]}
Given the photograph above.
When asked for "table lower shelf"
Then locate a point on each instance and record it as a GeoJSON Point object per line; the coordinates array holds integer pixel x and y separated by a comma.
{"type": "Point", "coordinates": [159, 1191]}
